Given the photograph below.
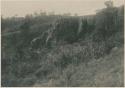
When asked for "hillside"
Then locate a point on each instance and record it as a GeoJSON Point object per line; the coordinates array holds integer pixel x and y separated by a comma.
{"type": "Point", "coordinates": [59, 50]}
{"type": "Point", "coordinates": [107, 71]}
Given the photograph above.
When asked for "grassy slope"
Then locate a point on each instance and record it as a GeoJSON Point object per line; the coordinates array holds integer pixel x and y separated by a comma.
{"type": "Point", "coordinates": [106, 71]}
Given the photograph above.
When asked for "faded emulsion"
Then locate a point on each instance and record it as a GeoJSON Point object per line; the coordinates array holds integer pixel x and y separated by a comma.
{"type": "Point", "coordinates": [62, 49]}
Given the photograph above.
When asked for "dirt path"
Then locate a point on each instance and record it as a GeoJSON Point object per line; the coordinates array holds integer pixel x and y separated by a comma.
{"type": "Point", "coordinates": [10, 33]}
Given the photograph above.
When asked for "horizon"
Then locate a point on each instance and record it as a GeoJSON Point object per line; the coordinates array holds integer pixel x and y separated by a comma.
{"type": "Point", "coordinates": [22, 8]}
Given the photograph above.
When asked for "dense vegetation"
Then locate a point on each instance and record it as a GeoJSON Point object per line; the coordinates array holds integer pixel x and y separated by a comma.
{"type": "Point", "coordinates": [58, 50]}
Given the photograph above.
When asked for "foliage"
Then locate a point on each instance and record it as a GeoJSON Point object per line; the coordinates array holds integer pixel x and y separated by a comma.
{"type": "Point", "coordinates": [55, 50]}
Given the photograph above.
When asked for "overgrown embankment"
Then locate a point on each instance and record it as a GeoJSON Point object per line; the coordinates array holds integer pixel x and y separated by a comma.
{"type": "Point", "coordinates": [64, 50]}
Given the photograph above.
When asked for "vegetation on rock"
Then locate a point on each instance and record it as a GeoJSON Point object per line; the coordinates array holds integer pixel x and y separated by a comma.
{"type": "Point", "coordinates": [58, 50]}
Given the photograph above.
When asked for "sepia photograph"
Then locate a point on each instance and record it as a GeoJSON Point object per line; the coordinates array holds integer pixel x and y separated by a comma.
{"type": "Point", "coordinates": [62, 43]}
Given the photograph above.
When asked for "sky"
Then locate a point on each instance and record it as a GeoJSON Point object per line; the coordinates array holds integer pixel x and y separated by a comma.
{"type": "Point", "coordinates": [81, 7]}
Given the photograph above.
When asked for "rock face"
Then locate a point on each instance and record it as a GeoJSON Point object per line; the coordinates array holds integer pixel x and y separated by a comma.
{"type": "Point", "coordinates": [64, 29]}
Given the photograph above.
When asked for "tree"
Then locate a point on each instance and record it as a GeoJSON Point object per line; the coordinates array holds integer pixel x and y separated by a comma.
{"type": "Point", "coordinates": [106, 21]}
{"type": "Point", "coordinates": [109, 4]}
